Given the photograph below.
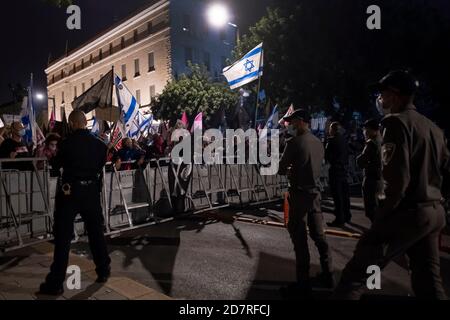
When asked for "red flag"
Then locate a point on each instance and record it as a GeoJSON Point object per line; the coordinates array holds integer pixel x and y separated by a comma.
{"type": "Point", "coordinates": [184, 120]}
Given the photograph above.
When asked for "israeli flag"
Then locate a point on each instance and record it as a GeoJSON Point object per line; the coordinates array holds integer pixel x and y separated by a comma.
{"type": "Point", "coordinates": [95, 127]}
{"type": "Point", "coordinates": [272, 123]}
{"type": "Point", "coordinates": [127, 103]}
{"type": "Point", "coordinates": [29, 117]}
{"type": "Point", "coordinates": [247, 69]}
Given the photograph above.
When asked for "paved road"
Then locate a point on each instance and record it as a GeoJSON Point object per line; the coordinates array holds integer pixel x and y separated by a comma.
{"type": "Point", "coordinates": [209, 256]}
{"type": "Point", "coordinates": [214, 257]}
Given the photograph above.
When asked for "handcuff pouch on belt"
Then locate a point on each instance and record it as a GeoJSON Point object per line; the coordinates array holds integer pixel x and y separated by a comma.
{"type": "Point", "coordinates": [66, 189]}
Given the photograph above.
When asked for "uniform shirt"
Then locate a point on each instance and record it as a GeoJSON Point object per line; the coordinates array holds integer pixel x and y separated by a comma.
{"type": "Point", "coordinates": [370, 159]}
{"type": "Point", "coordinates": [304, 154]}
{"type": "Point", "coordinates": [414, 156]}
{"type": "Point", "coordinates": [81, 155]}
{"type": "Point", "coordinates": [336, 152]}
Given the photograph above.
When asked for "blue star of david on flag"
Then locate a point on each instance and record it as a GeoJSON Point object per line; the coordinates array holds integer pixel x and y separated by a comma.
{"type": "Point", "coordinates": [249, 65]}
{"type": "Point", "coordinates": [246, 69]}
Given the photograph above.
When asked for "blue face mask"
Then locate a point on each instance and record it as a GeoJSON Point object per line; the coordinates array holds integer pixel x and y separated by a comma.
{"type": "Point", "coordinates": [22, 132]}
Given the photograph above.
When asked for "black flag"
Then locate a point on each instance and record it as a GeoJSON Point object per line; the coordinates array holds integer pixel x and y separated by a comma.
{"type": "Point", "coordinates": [98, 96]}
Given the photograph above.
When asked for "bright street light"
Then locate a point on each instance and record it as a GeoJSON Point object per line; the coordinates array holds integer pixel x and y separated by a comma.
{"type": "Point", "coordinates": [218, 15]}
{"type": "Point", "coordinates": [40, 96]}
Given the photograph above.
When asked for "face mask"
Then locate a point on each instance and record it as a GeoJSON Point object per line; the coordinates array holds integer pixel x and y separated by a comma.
{"type": "Point", "coordinates": [22, 133]}
{"type": "Point", "coordinates": [292, 130]}
{"type": "Point", "coordinates": [380, 107]}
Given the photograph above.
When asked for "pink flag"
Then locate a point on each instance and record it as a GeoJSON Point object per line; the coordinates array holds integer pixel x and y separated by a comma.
{"type": "Point", "coordinates": [184, 119]}
{"type": "Point", "coordinates": [288, 113]}
{"type": "Point", "coordinates": [198, 122]}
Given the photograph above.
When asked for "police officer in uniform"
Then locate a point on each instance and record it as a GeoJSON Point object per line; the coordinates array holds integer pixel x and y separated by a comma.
{"type": "Point", "coordinates": [301, 161]}
{"type": "Point", "coordinates": [370, 161]}
{"type": "Point", "coordinates": [82, 158]}
{"type": "Point", "coordinates": [336, 154]}
{"type": "Point", "coordinates": [411, 217]}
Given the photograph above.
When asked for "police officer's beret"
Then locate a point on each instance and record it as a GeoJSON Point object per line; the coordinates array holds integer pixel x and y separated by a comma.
{"type": "Point", "coordinates": [299, 114]}
{"type": "Point", "coordinates": [399, 80]}
{"type": "Point", "coordinates": [373, 124]}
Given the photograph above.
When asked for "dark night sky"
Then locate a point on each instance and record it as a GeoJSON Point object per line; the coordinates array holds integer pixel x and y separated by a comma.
{"type": "Point", "coordinates": [32, 29]}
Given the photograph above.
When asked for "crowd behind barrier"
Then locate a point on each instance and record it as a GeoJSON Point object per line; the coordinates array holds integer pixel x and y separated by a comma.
{"type": "Point", "coordinates": [150, 193]}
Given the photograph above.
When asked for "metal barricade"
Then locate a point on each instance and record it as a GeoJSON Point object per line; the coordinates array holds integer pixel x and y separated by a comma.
{"type": "Point", "coordinates": [25, 213]}
{"type": "Point", "coordinates": [129, 197]}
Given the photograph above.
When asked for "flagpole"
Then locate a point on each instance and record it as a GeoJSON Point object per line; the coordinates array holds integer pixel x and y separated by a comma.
{"type": "Point", "coordinates": [259, 88]}
{"type": "Point", "coordinates": [110, 109]}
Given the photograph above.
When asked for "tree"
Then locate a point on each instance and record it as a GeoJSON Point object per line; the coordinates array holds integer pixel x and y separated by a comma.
{"type": "Point", "coordinates": [192, 94]}
{"type": "Point", "coordinates": [321, 50]}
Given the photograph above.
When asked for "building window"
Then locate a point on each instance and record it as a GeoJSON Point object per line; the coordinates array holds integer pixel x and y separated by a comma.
{"type": "Point", "coordinates": [122, 43]}
{"type": "Point", "coordinates": [124, 72]}
{"type": "Point", "coordinates": [187, 55]}
{"type": "Point", "coordinates": [83, 87]}
{"type": "Point", "coordinates": [92, 82]}
{"type": "Point", "coordinates": [151, 61]}
{"type": "Point", "coordinates": [53, 78]}
{"type": "Point", "coordinates": [82, 63]}
{"type": "Point", "coordinates": [149, 27]}
{"type": "Point", "coordinates": [62, 74]}
{"type": "Point", "coordinates": [75, 93]}
{"type": "Point", "coordinates": [186, 23]}
{"type": "Point", "coordinates": [100, 54]}
{"type": "Point", "coordinates": [138, 96]}
{"type": "Point", "coordinates": [62, 97]}
{"type": "Point", "coordinates": [207, 60]}
{"type": "Point", "coordinates": [135, 36]}
{"type": "Point", "coordinates": [91, 59]}
{"type": "Point", "coordinates": [136, 68]}
{"type": "Point", "coordinates": [110, 49]}
{"type": "Point", "coordinates": [63, 112]}
{"type": "Point", "coordinates": [74, 68]}
{"type": "Point", "coordinates": [152, 94]}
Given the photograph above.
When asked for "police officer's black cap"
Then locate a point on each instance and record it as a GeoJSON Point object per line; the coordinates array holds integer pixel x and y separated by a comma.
{"type": "Point", "coordinates": [299, 114]}
{"type": "Point", "coordinates": [373, 124]}
{"type": "Point", "coordinates": [399, 80]}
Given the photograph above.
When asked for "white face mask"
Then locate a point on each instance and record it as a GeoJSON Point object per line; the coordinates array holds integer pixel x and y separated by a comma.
{"type": "Point", "coordinates": [292, 130]}
{"type": "Point", "coordinates": [380, 107]}
{"type": "Point", "coordinates": [22, 132]}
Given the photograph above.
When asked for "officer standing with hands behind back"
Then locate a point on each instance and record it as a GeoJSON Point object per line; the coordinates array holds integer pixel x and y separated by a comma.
{"type": "Point", "coordinates": [411, 217]}
{"type": "Point", "coordinates": [82, 158]}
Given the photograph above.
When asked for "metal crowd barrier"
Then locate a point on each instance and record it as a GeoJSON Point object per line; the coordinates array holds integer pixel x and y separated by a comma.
{"type": "Point", "coordinates": [143, 196]}
{"type": "Point", "coordinates": [25, 210]}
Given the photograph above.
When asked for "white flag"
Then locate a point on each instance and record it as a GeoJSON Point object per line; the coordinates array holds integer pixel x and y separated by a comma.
{"type": "Point", "coordinates": [247, 69]}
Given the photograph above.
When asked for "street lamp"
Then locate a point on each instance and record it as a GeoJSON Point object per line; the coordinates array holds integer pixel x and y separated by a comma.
{"type": "Point", "coordinates": [40, 96]}
{"type": "Point", "coordinates": [219, 16]}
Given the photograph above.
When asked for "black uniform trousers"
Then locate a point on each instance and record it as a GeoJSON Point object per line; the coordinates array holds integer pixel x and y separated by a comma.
{"type": "Point", "coordinates": [341, 194]}
{"type": "Point", "coordinates": [83, 200]}
{"type": "Point", "coordinates": [371, 188]}
{"type": "Point", "coordinates": [304, 209]}
{"type": "Point", "coordinates": [413, 232]}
